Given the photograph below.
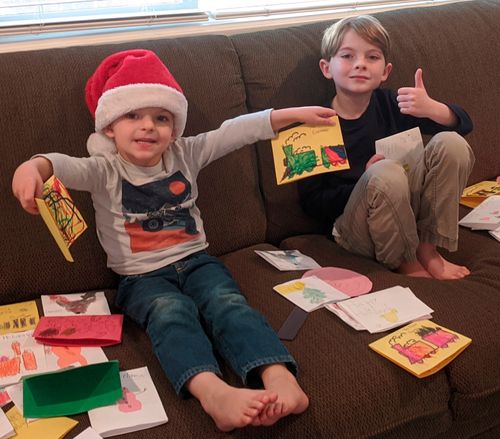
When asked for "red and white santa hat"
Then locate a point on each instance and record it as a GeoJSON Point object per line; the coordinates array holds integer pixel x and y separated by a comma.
{"type": "Point", "coordinates": [133, 79]}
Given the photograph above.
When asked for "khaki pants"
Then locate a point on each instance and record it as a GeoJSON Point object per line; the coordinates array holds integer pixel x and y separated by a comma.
{"type": "Point", "coordinates": [390, 212]}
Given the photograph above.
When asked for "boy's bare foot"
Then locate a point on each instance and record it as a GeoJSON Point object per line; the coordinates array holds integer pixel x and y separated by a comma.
{"type": "Point", "coordinates": [291, 398]}
{"type": "Point", "coordinates": [414, 269]}
{"type": "Point", "coordinates": [229, 407]}
{"type": "Point", "coordinates": [437, 266]}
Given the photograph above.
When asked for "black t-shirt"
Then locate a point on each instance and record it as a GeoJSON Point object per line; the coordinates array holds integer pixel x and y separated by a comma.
{"type": "Point", "coordinates": [324, 196]}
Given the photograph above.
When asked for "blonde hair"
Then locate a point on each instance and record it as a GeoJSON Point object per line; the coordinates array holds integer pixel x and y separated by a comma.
{"type": "Point", "coordinates": [366, 26]}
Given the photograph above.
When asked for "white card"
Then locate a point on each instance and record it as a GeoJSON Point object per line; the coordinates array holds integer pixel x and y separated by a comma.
{"type": "Point", "coordinates": [88, 433]}
{"type": "Point", "coordinates": [60, 357]}
{"type": "Point", "coordinates": [406, 147]}
{"type": "Point", "coordinates": [6, 428]}
{"type": "Point", "coordinates": [310, 293]}
{"type": "Point", "coordinates": [385, 309]}
{"type": "Point", "coordinates": [140, 407]}
{"type": "Point", "coordinates": [22, 356]}
{"type": "Point", "coordinates": [90, 303]}
{"type": "Point", "coordinates": [486, 216]}
{"type": "Point", "coordinates": [287, 260]}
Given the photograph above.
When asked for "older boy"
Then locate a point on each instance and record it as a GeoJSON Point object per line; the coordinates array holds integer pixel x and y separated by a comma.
{"type": "Point", "coordinates": [378, 210]}
{"type": "Point", "coordinates": [142, 177]}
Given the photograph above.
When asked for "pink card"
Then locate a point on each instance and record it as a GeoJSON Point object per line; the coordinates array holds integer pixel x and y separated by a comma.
{"type": "Point", "coordinates": [347, 281]}
{"type": "Point", "coordinates": [82, 330]}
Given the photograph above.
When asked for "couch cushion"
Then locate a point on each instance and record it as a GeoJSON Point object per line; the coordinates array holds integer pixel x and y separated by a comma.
{"type": "Point", "coordinates": [280, 68]}
{"type": "Point", "coordinates": [469, 306]}
{"type": "Point", "coordinates": [48, 113]}
{"type": "Point", "coordinates": [354, 392]}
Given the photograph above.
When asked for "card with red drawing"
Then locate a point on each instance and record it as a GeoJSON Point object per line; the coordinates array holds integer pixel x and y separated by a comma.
{"type": "Point", "coordinates": [86, 303]}
{"type": "Point", "coordinates": [80, 330]}
{"type": "Point", "coordinates": [140, 407]}
{"type": "Point", "coordinates": [422, 347]}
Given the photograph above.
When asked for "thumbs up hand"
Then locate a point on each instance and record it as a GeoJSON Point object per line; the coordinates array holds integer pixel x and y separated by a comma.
{"type": "Point", "coordinates": [414, 100]}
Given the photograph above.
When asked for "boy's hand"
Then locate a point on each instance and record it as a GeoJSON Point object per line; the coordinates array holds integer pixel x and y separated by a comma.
{"type": "Point", "coordinates": [374, 159]}
{"type": "Point", "coordinates": [311, 115]}
{"type": "Point", "coordinates": [27, 183]}
{"type": "Point", "coordinates": [414, 100]}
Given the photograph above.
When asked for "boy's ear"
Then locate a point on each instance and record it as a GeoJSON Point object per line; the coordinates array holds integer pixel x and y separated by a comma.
{"type": "Point", "coordinates": [108, 131]}
{"type": "Point", "coordinates": [324, 66]}
{"type": "Point", "coordinates": [387, 71]}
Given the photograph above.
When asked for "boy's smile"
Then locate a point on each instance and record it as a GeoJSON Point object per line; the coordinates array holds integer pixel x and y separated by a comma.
{"type": "Point", "coordinates": [143, 135]}
{"type": "Point", "coordinates": [357, 68]}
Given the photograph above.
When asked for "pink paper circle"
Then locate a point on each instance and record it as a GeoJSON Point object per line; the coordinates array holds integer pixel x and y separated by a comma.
{"type": "Point", "coordinates": [347, 281]}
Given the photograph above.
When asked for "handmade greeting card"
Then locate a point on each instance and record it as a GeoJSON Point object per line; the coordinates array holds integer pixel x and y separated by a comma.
{"type": "Point", "coordinates": [60, 357]}
{"type": "Point", "coordinates": [474, 195]}
{"type": "Point", "coordinates": [309, 293]}
{"type": "Point", "coordinates": [80, 330]}
{"type": "Point", "coordinates": [90, 303]}
{"type": "Point", "coordinates": [406, 147]}
{"type": "Point", "coordinates": [6, 428]}
{"type": "Point", "coordinates": [422, 348]}
{"type": "Point", "coordinates": [18, 317]}
{"type": "Point", "coordinates": [288, 260]}
{"type": "Point", "coordinates": [19, 356]}
{"type": "Point", "coordinates": [384, 309]}
{"type": "Point", "coordinates": [60, 214]}
{"type": "Point", "coordinates": [486, 216]}
{"type": "Point", "coordinates": [308, 150]}
{"type": "Point", "coordinates": [140, 407]}
{"type": "Point", "coordinates": [347, 281]}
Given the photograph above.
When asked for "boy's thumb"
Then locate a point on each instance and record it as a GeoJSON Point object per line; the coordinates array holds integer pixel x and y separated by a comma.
{"type": "Point", "coordinates": [419, 82]}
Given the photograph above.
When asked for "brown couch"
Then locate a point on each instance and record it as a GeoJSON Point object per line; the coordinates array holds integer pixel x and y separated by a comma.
{"type": "Point", "coordinates": [354, 392]}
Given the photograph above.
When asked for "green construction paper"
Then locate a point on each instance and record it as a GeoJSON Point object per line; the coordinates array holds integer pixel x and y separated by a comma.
{"type": "Point", "coordinates": [71, 391]}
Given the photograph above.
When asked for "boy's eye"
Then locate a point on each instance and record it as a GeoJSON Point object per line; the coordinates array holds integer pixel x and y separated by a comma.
{"type": "Point", "coordinates": [346, 56]}
{"type": "Point", "coordinates": [163, 118]}
{"type": "Point", "coordinates": [374, 57]}
{"type": "Point", "coordinates": [131, 115]}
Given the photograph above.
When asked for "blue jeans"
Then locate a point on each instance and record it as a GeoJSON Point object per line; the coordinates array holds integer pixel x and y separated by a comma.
{"type": "Point", "coordinates": [192, 307]}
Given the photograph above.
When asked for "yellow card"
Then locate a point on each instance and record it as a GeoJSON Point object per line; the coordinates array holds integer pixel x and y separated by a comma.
{"type": "Point", "coordinates": [308, 150]}
{"type": "Point", "coordinates": [474, 195]}
{"type": "Point", "coordinates": [60, 215]}
{"type": "Point", "coordinates": [18, 317]}
{"type": "Point", "coordinates": [50, 428]}
{"type": "Point", "coordinates": [422, 347]}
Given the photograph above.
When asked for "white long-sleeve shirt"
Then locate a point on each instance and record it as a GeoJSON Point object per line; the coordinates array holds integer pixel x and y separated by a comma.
{"type": "Point", "coordinates": [146, 217]}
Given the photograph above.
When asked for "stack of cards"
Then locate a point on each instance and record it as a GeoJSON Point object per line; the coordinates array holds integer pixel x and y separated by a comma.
{"type": "Point", "coordinates": [381, 310]}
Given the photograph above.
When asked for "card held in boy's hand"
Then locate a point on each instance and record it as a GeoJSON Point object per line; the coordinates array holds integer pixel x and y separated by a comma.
{"type": "Point", "coordinates": [293, 323]}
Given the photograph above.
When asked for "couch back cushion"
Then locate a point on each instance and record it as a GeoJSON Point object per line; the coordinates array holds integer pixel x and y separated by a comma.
{"type": "Point", "coordinates": [43, 110]}
{"type": "Point", "coordinates": [453, 46]}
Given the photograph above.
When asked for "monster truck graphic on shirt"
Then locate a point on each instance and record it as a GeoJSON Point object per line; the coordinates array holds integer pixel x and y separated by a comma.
{"type": "Point", "coordinates": [157, 214]}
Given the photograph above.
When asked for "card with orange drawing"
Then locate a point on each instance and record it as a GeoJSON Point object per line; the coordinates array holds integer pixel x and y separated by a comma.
{"type": "Point", "coordinates": [422, 347]}
{"type": "Point", "coordinates": [20, 355]}
{"type": "Point", "coordinates": [80, 330]}
{"type": "Point", "coordinates": [140, 407]}
{"type": "Point", "coordinates": [58, 211]}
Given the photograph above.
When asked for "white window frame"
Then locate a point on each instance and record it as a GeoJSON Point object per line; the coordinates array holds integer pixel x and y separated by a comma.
{"type": "Point", "coordinates": [223, 21]}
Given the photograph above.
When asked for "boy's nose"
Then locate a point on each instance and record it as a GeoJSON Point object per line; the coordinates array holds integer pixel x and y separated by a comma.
{"type": "Point", "coordinates": [147, 123]}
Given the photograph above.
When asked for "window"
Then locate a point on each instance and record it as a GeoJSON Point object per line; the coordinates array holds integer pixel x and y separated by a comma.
{"type": "Point", "coordinates": [42, 19]}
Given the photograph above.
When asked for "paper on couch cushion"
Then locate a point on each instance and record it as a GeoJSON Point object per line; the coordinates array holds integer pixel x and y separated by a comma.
{"type": "Point", "coordinates": [309, 293]}
{"type": "Point", "coordinates": [79, 389]}
{"type": "Point", "coordinates": [347, 281]}
{"type": "Point", "coordinates": [6, 428]}
{"type": "Point", "coordinates": [495, 234]}
{"type": "Point", "coordinates": [80, 330]}
{"type": "Point", "coordinates": [140, 407]}
{"type": "Point", "coordinates": [287, 260]}
{"type": "Point", "coordinates": [486, 216]}
{"type": "Point", "coordinates": [18, 317]}
{"type": "Point", "coordinates": [21, 356]}
{"type": "Point", "coordinates": [88, 303]}
{"type": "Point", "coordinates": [88, 433]}
{"type": "Point", "coordinates": [52, 428]}
{"type": "Point", "coordinates": [421, 348]}
{"type": "Point", "coordinates": [406, 147]}
{"type": "Point", "coordinates": [385, 309]}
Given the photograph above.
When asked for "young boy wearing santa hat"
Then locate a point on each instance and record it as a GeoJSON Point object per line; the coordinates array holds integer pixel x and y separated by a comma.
{"type": "Point", "coordinates": [142, 177]}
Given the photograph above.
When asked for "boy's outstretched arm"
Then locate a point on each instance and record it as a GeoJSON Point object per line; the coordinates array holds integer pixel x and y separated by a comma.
{"type": "Point", "coordinates": [416, 102]}
{"type": "Point", "coordinates": [312, 115]}
{"type": "Point", "coordinates": [27, 182]}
